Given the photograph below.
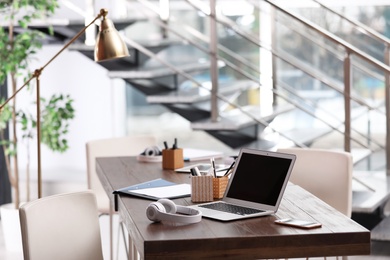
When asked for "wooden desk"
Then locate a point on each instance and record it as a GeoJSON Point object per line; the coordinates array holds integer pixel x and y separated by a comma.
{"type": "Point", "coordinates": [245, 239]}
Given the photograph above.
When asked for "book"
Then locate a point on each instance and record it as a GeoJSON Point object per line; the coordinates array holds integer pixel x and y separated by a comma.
{"type": "Point", "coordinates": [157, 189]}
{"type": "Point", "coordinates": [191, 154]}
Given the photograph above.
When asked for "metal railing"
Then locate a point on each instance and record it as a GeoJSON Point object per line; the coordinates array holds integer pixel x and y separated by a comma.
{"type": "Point", "coordinates": [362, 28]}
{"type": "Point", "coordinates": [254, 40]}
{"type": "Point", "coordinates": [350, 48]}
{"type": "Point", "coordinates": [349, 51]}
{"type": "Point", "coordinates": [215, 95]}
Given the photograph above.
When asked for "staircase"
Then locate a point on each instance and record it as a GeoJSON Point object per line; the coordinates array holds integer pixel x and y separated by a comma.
{"type": "Point", "coordinates": [175, 71]}
{"type": "Point", "coordinates": [328, 94]}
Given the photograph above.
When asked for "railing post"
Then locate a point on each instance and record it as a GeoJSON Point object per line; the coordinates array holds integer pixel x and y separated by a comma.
{"type": "Point", "coordinates": [274, 58]}
{"type": "Point", "coordinates": [213, 62]}
{"type": "Point", "coordinates": [347, 101]}
{"type": "Point", "coordinates": [164, 16]}
{"type": "Point", "coordinates": [164, 10]}
{"type": "Point", "coordinates": [387, 102]}
{"type": "Point", "coordinates": [5, 186]}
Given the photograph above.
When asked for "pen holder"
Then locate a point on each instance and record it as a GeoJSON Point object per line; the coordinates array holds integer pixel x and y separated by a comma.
{"type": "Point", "coordinates": [201, 188]}
{"type": "Point", "coordinates": [172, 159]}
{"type": "Point", "coordinates": [219, 186]}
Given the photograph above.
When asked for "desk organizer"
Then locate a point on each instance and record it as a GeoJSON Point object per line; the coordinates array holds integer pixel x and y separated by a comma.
{"type": "Point", "coordinates": [201, 188]}
{"type": "Point", "coordinates": [219, 186]}
{"type": "Point", "coordinates": [172, 159]}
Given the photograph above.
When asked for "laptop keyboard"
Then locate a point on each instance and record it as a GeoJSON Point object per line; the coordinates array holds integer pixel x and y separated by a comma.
{"type": "Point", "coordinates": [225, 207]}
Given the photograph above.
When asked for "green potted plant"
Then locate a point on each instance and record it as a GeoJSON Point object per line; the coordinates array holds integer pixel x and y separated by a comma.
{"type": "Point", "coordinates": [16, 50]}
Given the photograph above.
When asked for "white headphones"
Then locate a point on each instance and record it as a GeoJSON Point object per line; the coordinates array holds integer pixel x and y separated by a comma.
{"type": "Point", "coordinates": [152, 151]}
{"type": "Point", "coordinates": [151, 154]}
{"type": "Point", "coordinates": [165, 209]}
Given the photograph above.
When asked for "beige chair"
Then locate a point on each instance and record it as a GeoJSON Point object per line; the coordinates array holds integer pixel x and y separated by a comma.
{"type": "Point", "coordinates": [326, 174]}
{"type": "Point", "coordinates": [119, 146]}
{"type": "Point", "coordinates": [64, 226]}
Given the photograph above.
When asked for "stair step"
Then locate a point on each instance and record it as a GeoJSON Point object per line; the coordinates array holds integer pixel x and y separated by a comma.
{"type": "Point", "coordinates": [191, 113]}
{"type": "Point", "coordinates": [359, 154]}
{"type": "Point", "coordinates": [78, 24]}
{"type": "Point", "coordinates": [167, 42]}
{"type": "Point", "coordinates": [373, 194]}
{"type": "Point", "coordinates": [197, 94]}
{"type": "Point", "coordinates": [239, 139]}
{"type": "Point", "coordinates": [308, 135]}
{"type": "Point", "coordinates": [381, 232]}
{"type": "Point", "coordinates": [260, 144]}
{"type": "Point", "coordinates": [68, 28]}
{"type": "Point", "coordinates": [151, 73]}
{"type": "Point", "coordinates": [147, 44]}
{"type": "Point", "coordinates": [65, 29]}
{"type": "Point", "coordinates": [136, 58]}
{"type": "Point", "coordinates": [305, 136]}
{"type": "Point", "coordinates": [234, 120]}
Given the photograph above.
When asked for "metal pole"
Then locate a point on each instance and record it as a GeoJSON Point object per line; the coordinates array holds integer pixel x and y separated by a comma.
{"type": "Point", "coordinates": [347, 101]}
{"type": "Point", "coordinates": [5, 186]}
{"type": "Point", "coordinates": [213, 62]}
{"type": "Point", "coordinates": [274, 58]}
{"type": "Point", "coordinates": [39, 138]}
{"type": "Point", "coordinates": [387, 102]}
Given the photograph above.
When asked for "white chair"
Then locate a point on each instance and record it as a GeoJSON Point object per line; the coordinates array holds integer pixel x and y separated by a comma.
{"type": "Point", "coordinates": [325, 173]}
{"type": "Point", "coordinates": [64, 226]}
{"type": "Point", "coordinates": [119, 146]}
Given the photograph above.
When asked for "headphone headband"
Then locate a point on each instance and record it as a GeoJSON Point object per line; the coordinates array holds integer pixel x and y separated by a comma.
{"type": "Point", "coordinates": [165, 210]}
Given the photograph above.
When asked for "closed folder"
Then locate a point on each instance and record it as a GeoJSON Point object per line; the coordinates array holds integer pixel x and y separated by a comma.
{"type": "Point", "coordinates": [155, 190]}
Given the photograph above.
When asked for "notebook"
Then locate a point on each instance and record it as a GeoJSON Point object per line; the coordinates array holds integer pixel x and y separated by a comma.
{"type": "Point", "coordinates": [255, 188]}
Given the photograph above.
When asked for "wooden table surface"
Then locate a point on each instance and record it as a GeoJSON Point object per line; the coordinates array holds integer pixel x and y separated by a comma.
{"type": "Point", "coordinates": [244, 239]}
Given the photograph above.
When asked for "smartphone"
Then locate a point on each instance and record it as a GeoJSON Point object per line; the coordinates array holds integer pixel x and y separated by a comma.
{"type": "Point", "coordinates": [307, 224]}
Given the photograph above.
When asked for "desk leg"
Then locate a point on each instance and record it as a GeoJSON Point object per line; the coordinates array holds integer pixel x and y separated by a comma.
{"type": "Point", "coordinates": [133, 254]}
{"type": "Point", "coordinates": [111, 231]}
{"type": "Point", "coordinates": [130, 256]}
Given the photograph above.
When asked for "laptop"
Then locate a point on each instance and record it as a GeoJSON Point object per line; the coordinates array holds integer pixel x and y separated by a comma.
{"type": "Point", "coordinates": [255, 188]}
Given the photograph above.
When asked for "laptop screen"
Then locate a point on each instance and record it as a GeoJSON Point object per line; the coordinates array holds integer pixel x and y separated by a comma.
{"type": "Point", "coordinates": [259, 178]}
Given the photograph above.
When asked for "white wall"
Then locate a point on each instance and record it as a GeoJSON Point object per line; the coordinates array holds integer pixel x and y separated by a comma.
{"type": "Point", "coordinates": [98, 101]}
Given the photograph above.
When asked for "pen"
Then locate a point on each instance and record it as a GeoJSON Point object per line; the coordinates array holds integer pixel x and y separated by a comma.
{"type": "Point", "coordinates": [230, 167]}
{"type": "Point", "coordinates": [165, 145]}
{"type": "Point", "coordinates": [174, 146]}
{"type": "Point", "coordinates": [213, 165]}
{"type": "Point", "coordinates": [195, 171]}
{"type": "Point", "coordinates": [227, 174]}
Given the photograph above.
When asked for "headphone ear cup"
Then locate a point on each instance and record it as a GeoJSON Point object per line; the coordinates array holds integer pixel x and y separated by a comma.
{"type": "Point", "coordinates": [153, 210]}
{"type": "Point", "coordinates": [157, 151]}
{"type": "Point", "coordinates": [152, 151]}
{"type": "Point", "coordinates": [169, 205]}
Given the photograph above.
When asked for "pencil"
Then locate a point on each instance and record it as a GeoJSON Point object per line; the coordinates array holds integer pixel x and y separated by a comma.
{"type": "Point", "coordinates": [213, 165]}
{"type": "Point", "coordinates": [230, 167]}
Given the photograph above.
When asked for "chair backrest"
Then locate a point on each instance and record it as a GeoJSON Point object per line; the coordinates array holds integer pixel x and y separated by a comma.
{"type": "Point", "coordinates": [325, 173]}
{"type": "Point", "coordinates": [64, 226]}
{"type": "Point", "coordinates": [119, 146]}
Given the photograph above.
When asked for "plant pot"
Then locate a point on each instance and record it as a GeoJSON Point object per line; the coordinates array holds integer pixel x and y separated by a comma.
{"type": "Point", "coordinates": [11, 227]}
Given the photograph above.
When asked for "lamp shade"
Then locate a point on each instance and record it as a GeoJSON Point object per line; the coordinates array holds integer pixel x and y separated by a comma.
{"type": "Point", "coordinates": [109, 44]}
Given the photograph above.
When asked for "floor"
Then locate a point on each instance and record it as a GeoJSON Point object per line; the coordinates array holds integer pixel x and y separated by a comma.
{"type": "Point", "coordinates": [172, 126]}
